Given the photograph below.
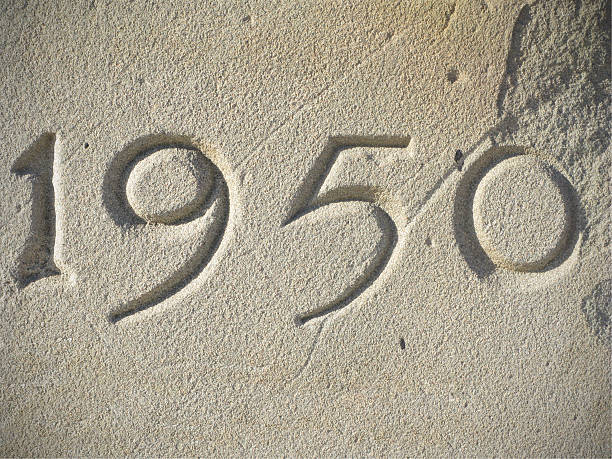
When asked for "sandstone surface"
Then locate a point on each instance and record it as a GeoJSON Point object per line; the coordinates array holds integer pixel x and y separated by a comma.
{"type": "Point", "coordinates": [319, 228]}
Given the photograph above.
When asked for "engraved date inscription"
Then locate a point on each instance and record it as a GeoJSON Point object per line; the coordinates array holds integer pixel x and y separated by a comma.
{"type": "Point", "coordinates": [162, 181]}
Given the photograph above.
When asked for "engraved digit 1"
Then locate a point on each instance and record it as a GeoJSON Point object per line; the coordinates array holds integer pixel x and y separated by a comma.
{"type": "Point", "coordinates": [36, 260]}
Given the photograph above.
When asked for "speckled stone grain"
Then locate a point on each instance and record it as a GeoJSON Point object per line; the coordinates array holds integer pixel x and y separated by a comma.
{"type": "Point", "coordinates": [254, 229]}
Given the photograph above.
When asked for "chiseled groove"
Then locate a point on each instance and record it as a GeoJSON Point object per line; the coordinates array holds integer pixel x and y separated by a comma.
{"type": "Point", "coordinates": [193, 267]}
{"type": "Point", "coordinates": [321, 170]}
{"type": "Point", "coordinates": [115, 180]}
{"type": "Point", "coordinates": [36, 260]}
{"type": "Point", "coordinates": [463, 224]}
{"type": "Point", "coordinates": [305, 201]}
{"type": "Point", "coordinates": [368, 278]}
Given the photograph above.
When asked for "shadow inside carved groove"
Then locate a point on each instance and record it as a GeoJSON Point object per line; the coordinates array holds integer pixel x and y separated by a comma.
{"type": "Point", "coordinates": [309, 190]}
{"type": "Point", "coordinates": [214, 206]}
{"type": "Point", "coordinates": [308, 200]}
{"type": "Point", "coordinates": [463, 221]}
{"type": "Point", "coordinates": [36, 260]}
{"type": "Point", "coordinates": [115, 182]}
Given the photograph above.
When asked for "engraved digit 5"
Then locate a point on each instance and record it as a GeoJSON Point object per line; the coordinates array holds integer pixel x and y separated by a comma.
{"type": "Point", "coordinates": [344, 173]}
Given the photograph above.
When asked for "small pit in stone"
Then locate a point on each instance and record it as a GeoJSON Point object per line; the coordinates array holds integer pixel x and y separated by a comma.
{"type": "Point", "coordinates": [402, 344]}
{"type": "Point", "coordinates": [452, 75]}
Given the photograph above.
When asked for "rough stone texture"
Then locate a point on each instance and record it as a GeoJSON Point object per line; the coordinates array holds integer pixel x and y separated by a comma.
{"type": "Point", "coordinates": [329, 295]}
{"type": "Point", "coordinates": [597, 309]}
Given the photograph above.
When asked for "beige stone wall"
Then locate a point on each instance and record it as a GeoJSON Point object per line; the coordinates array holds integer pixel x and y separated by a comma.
{"type": "Point", "coordinates": [319, 228]}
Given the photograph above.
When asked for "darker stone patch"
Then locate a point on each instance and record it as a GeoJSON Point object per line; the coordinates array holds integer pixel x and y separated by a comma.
{"type": "Point", "coordinates": [514, 54]}
{"type": "Point", "coordinates": [459, 158]}
{"type": "Point", "coordinates": [597, 308]}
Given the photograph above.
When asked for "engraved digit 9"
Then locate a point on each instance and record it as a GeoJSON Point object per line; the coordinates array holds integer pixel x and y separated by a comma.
{"type": "Point", "coordinates": [159, 180]}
